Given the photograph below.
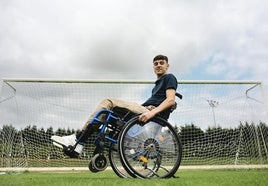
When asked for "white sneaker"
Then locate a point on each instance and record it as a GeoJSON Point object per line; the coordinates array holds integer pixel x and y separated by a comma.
{"type": "Point", "coordinates": [66, 141]}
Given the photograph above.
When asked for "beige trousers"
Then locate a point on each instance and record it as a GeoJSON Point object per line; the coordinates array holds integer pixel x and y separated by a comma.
{"type": "Point", "coordinates": [111, 103]}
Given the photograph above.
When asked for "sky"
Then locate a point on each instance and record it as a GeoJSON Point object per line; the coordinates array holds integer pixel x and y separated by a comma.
{"type": "Point", "coordinates": [117, 39]}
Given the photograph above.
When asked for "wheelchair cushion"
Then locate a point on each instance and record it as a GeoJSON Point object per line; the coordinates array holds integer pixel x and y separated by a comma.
{"type": "Point", "coordinates": [123, 113]}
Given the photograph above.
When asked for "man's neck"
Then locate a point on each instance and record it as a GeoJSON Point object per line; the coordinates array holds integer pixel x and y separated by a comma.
{"type": "Point", "coordinates": [159, 76]}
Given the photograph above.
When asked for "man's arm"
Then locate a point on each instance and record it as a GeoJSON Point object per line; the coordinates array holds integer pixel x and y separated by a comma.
{"type": "Point", "coordinates": [167, 103]}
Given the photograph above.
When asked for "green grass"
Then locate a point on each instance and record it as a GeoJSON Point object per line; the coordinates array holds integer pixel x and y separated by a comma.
{"type": "Point", "coordinates": [185, 177]}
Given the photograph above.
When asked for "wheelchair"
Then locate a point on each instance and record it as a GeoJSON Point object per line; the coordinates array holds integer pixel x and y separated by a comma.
{"type": "Point", "coordinates": [135, 149]}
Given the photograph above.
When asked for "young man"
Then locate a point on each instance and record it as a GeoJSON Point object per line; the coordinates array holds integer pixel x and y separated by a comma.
{"type": "Point", "coordinates": [160, 102]}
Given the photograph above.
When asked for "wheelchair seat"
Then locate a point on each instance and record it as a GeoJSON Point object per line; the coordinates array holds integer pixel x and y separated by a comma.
{"type": "Point", "coordinates": [123, 113]}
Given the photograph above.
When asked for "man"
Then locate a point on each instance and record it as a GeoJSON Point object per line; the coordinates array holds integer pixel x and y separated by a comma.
{"type": "Point", "coordinates": [160, 102]}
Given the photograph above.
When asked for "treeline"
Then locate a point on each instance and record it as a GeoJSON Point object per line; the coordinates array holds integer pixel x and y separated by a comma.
{"type": "Point", "coordinates": [246, 140]}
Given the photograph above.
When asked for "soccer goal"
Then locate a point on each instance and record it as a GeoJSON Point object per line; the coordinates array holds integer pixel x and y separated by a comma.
{"type": "Point", "coordinates": [220, 123]}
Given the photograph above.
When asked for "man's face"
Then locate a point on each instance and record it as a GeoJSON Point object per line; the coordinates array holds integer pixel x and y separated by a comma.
{"type": "Point", "coordinates": [160, 67]}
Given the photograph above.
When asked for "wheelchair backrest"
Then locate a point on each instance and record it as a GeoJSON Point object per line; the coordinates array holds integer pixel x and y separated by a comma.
{"type": "Point", "coordinates": [175, 105]}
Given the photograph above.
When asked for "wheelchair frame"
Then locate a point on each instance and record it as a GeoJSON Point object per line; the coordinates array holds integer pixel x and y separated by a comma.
{"type": "Point", "coordinates": [128, 162]}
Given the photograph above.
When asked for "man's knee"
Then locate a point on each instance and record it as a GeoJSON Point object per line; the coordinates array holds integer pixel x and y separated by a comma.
{"type": "Point", "coordinates": [106, 103]}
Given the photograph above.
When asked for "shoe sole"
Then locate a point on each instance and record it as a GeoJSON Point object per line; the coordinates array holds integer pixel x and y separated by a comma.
{"type": "Point", "coordinates": [60, 145]}
{"type": "Point", "coordinates": [57, 144]}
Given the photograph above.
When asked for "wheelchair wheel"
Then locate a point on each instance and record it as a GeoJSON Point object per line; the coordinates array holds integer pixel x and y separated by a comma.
{"type": "Point", "coordinates": [92, 168]}
{"type": "Point", "coordinates": [151, 149]}
{"type": "Point", "coordinates": [99, 162]}
{"type": "Point", "coordinates": [116, 163]}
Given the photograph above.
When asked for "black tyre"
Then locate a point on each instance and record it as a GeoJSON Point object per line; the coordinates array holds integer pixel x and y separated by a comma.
{"type": "Point", "coordinates": [115, 162]}
{"type": "Point", "coordinates": [99, 162]}
{"type": "Point", "coordinates": [91, 167]}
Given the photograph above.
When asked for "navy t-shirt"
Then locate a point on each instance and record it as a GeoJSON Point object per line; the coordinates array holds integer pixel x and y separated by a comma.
{"type": "Point", "coordinates": [168, 81]}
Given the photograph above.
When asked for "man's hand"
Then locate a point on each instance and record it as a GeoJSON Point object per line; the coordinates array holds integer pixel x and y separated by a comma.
{"type": "Point", "coordinates": [167, 103]}
{"type": "Point", "coordinates": [144, 117]}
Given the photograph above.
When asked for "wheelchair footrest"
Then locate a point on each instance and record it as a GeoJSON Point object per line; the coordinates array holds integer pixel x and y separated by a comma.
{"type": "Point", "coordinates": [69, 151]}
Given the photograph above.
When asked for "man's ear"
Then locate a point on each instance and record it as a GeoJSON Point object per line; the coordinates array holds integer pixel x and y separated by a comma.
{"type": "Point", "coordinates": [167, 65]}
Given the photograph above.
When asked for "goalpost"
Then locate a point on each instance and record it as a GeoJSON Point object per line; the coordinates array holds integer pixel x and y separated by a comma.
{"type": "Point", "coordinates": [220, 123]}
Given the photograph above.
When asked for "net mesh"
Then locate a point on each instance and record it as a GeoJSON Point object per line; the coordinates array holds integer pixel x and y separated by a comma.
{"type": "Point", "coordinates": [218, 123]}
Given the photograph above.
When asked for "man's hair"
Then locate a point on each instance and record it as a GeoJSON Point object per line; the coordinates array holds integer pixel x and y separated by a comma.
{"type": "Point", "coordinates": [160, 57]}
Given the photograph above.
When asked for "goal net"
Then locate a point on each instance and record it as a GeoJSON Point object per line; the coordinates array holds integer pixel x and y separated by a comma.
{"type": "Point", "coordinates": [219, 122]}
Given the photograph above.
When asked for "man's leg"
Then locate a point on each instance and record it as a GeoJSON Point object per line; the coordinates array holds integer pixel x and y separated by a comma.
{"type": "Point", "coordinates": [112, 103]}
{"type": "Point", "coordinates": [90, 128]}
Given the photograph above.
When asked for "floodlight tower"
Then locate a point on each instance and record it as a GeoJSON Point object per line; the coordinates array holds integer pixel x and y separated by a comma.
{"type": "Point", "coordinates": [213, 104]}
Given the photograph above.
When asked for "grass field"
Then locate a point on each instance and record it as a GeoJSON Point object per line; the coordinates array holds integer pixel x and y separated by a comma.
{"type": "Point", "coordinates": [184, 177]}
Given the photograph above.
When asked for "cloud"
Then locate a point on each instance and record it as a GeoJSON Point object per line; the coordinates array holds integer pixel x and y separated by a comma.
{"type": "Point", "coordinates": [88, 39]}
{"type": "Point", "coordinates": [103, 39]}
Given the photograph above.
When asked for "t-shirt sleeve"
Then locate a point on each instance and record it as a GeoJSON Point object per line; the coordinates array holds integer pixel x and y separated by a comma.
{"type": "Point", "coordinates": [171, 82]}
